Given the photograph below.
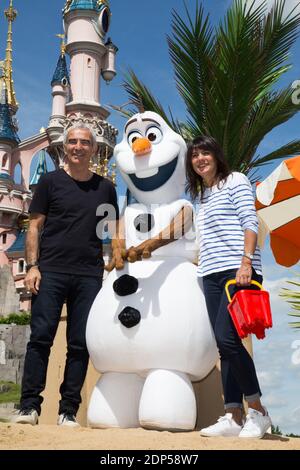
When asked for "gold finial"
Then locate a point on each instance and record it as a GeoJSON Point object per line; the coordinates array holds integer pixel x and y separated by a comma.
{"type": "Point", "coordinates": [2, 68]}
{"type": "Point", "coordinates": [113, 173]}
{"type": "Point", "coordinates": [62, 44]}
{"type": "Point", "coordinates": [67, 6]}
{"type": "Point", "coordinates": [105, 163]}
{"type": "Point", "coordinates": [23, 223]}
{"type": "Point", "coordinates": [103, 2]}
{"type": "Point", "coordinates": [101, 165]}
{"type": "Point", "coordinates": [10, 12]}
{"type": "Point", "coordinates": [11, 15]}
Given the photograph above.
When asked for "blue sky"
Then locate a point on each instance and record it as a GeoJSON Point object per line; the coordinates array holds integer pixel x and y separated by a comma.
{"type": "Point", "coordinates": [139, 29]}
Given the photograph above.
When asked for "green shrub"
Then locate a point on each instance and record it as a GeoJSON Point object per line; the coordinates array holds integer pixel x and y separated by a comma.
{"type": "Point", "coordinates": [11, 394]}
{"type": "Point", "coordinates": [17, 318]}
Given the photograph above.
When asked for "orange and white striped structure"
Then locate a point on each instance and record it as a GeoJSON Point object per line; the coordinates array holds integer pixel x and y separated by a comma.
{"type": "Point", "coordinates": [278, 210]}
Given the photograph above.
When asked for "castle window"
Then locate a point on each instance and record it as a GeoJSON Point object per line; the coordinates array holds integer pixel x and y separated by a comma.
{"type": "Point", "coordinates": [4, 238]}
{"type": "Point", "coordinates": [21, 266]}
{"type": "Point", "coordinates": [4, 162]}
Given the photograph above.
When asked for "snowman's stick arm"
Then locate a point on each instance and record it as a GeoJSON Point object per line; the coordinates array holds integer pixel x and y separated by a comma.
{"type": "Point", "coordinates": [118, 247]}
{"type": "Point", "coordinates": [178, 226]}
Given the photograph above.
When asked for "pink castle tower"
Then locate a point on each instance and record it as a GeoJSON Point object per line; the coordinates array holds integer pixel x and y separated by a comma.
{"type": "Point", "coordinates": [14, 198]}
{"type": "Point", "coordinates": [86, 23]}
{"type": "Point", "coordinates": [75, 99]}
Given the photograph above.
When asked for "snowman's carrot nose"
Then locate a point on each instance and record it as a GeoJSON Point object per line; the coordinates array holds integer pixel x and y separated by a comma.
{"type": "Point", "coordinates": [141, 146]}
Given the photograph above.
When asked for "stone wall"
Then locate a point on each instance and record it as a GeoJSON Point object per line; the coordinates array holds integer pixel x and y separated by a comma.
{"type": "Point", "coordinates": [13, 341]}
{"type": "Point", "coordinates": [9, 298]}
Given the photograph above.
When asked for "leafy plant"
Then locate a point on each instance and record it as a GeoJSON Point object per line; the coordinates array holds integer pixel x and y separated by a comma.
{"type": "Point", "coordinates": [226, 76]}
{"type": "Point", "coordinates": [292, 296]}
{"type": "Point", "coordinates": [276, 430]}
{"type": "Point", "coordinates": [11, 392]}
{"type": "Point", "coordinates": [16, 318]}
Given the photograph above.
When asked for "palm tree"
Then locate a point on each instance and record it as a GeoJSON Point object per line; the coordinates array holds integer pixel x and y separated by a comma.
{"type": "Point", "coordinates": [226, 77]}
{"type": "Point", "coordinates": [292, 296]}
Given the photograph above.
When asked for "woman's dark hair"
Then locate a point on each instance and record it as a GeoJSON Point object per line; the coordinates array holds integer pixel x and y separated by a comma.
{"type": "Point", "coordinates": [195, 184]}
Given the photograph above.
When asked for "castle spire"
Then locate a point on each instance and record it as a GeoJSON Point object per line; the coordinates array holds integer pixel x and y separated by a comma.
{"type": "Point", "coordinates": [61, 75]}
{"type": "Point", "coordinates": [41, 169]}
{"type": "Point", "coordinates": [11, 15]}
{"type": "Point", "coordinates": [7, 128]}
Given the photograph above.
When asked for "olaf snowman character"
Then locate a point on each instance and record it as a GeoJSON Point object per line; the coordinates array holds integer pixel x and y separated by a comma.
{"type": "Point", "coordinates": [148, 332]}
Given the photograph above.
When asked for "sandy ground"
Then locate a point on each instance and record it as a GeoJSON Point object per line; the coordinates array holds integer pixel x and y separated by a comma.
{"type": "Point", "coordinates": [45, 437]}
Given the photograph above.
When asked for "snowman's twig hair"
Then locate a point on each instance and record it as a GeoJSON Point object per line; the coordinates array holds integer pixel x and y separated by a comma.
{"type": "Point", "coordinates": [140, 104]}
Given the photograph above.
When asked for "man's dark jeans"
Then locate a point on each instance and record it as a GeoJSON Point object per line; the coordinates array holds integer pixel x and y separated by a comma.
{"type": "Point", "coordinates": [237, 367]}
{"type": "Point", "coordinates": [79, 292]}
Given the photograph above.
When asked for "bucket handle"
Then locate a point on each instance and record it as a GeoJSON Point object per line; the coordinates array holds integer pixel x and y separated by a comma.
{"type": "Point", "coordinates": [233, 281]}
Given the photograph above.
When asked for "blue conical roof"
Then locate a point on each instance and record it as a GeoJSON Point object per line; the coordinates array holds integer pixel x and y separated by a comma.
{"type": "Point", "coordinates": [40, 170]}
{"type": "Point", "coordinates": [19, 243]}
{"type": "Point", "coordinates": [7, 129]}
{"type": "Point", "coordinates": [61, 71]}
{"type": "Point", "coordinates": [83, 5]}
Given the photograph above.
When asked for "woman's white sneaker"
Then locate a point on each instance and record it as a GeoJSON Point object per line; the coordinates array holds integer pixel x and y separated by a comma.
{"type": "Point", "coordinates": [256, 424]}
{"type": "Point", "coordinates": [67, 419]}
{"type": "Point", "coordinates": [225, 426]}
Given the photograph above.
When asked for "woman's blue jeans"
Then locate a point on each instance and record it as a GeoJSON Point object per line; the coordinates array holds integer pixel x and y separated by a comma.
{"type": "Point", "coordinates": [237, 368]}
{"type": "Point", "coordinates": [79, 293]}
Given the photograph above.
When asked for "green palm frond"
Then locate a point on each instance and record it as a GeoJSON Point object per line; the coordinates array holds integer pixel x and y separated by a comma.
{"type": "Point", "coordinates": [226, 76]}
{"type": "Point", "coordinates": [292, 296]}
{"type": "Point", "coordinates": [271, 111]}
{"type": "Point", "coordinates": [191, 50]}
{"type": "Point", "coordinates": [287, 150]}
{"type": "Point", "coordinates": [142, 99]}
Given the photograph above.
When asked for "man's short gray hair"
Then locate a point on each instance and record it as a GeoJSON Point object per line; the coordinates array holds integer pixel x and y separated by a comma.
{"type": "Point", "coordinates": [80, 125]}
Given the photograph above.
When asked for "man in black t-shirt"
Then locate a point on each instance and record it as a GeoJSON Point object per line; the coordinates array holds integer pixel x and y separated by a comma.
{"type": "Point", "coordinates": [64, 263]}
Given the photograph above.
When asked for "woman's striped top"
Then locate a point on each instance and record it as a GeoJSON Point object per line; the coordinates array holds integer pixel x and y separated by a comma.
{"type": "Point", "coordinates": [225, 211]}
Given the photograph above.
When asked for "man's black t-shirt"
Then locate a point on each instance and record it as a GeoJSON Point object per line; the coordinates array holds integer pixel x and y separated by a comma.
{"type": "Point", "coordinates": [69, 242]}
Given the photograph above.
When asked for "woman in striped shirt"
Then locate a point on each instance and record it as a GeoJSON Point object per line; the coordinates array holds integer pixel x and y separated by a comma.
{"type": "Point", "coordinates": [227, 232]}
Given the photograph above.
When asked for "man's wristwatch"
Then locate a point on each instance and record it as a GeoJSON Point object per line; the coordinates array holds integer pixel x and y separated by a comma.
{"type": "Point", "coordinates": [32, 265]}
{"type": "Point", "coordinates": [249, 256]}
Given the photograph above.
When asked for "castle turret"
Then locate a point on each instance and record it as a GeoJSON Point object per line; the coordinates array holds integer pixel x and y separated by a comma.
{"type": "Point", "coordinates": [86, 23]}
{"type": "Point", "coordinates": [8, 139]}
{"type": "Point", "coordinates": [11, 15]}
{"type": "Point", "coordinates": [41, 169]}
{"type": "Point", "coordinates": [60, 91]}
{"type": "Point", "coordinates": [109, 71]}
{"type": "Point", "coordinates": [8, 107]}
{"type": "Point", "coordinates": [13, 199]}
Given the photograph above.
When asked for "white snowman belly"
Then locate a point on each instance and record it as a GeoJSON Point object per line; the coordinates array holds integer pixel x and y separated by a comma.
{"type": "Point", "coordinates": [173, 332]}
{"type": "Point", "coordinates": [143, 222]}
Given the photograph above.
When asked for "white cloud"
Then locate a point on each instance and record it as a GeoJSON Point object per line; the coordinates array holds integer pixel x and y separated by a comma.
{"type": "Point", "coordinates": [277, 375]}
{"type": "Point", "coordinates": [271, 270]}
{"type": "Point", "coordinates": [296, 413]}
{"type": "Point", "coordinates": [274, 286]}
{"type": "Point", "coordinates": [289, 420]}
{"type": "Point", "coordinates": [272, 399]}
{"type": "Point", "coordinates": [269, 378]}
{"type": "Point", "coordinates": [289, 5]}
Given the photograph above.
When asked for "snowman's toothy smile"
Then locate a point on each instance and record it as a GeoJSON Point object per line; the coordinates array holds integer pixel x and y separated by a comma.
{"type": "Point", "coordinates": [154, 178]}
{"type": "Point", "coordinates": [147, 173]}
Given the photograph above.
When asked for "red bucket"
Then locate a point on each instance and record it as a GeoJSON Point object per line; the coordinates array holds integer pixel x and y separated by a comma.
{"type": "Point", "coordinates": [250, 310]}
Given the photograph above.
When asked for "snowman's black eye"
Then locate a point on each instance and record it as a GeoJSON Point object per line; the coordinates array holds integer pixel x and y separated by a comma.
{"type": "Point", "coordinates": [154, 134]}
{"type": "Point", "coordinates": [132, 136]}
